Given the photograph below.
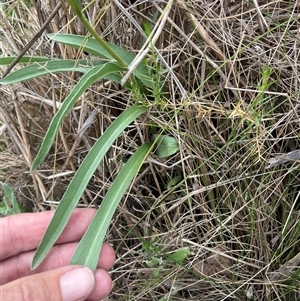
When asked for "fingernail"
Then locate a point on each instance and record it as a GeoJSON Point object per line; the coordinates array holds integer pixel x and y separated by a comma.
{"type": "Point", "coordinates": [77, 284]}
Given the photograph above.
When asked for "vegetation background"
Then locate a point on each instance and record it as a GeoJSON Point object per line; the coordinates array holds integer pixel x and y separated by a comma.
{"type": "Point", "coordinates": [230, 194]}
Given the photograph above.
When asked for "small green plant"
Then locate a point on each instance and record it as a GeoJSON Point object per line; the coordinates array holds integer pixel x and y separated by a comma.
{"type": "Point", "coordinates": [159, 258]}
{"type": "Point", "coordinates": [111, 62]}
{"type": "Point", "coordinates": [263, 86]}
{"type": "Point", "coordinates": [176, 257]}
{"type": "Point", "coordinates": [162, 261]}
{"type": "Point", "coordinates": [9, 204]}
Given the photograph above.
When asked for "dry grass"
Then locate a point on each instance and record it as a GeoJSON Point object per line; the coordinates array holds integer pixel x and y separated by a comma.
{"type": "Point", "coordinates": [240, 220]}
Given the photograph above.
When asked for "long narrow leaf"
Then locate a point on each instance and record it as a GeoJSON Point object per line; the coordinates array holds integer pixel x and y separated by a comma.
{"type": "Point", "coordinates": [77, 8]}
{"type": "Point", "coordinates": [56, 66]}
{"type": "Point", "coordinates": [80, 181]}
{"type": "Point", "coordinates": [88, 250]}
{"type": "Point", "coordinates": [90, 45]}
{"type": "Point", "coordinates": [87, 79]}
{"type": "Point", "coordinates": [48, 67]}
{"type": "Point", "coordinates": [6, 60]}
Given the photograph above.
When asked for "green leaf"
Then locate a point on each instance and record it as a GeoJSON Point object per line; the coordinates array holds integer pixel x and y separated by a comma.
{"type": "Point", "coordinates": [94, 236]}
{"type": "Point", "coordinates": [81, 179]}
{"type": "Point", "coordinates": [91, 46]}
{"type": "Point", "coordinates": [174, 181]}
{"type": "Point", "coordinates": [166, 145]}
{"type": "Point", "coordinates": [87, 79]}
{"type": "Point", "coordinates": [154, 262]}
{"type": "Point", "coordinates": [155, 273]}
{"type": "Point", "coordinates": [77, 8]}
{"type": "Point", "coordinates": [6, 60]}
{"type": "Point", "coordinates": [178, 256]}
{"type": "Point", "coordinates": [54, 66]}
{"type": "Point", "coordinates": [10, 204]}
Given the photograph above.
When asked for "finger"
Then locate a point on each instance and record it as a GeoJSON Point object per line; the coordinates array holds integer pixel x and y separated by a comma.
{"type": "Point", "coordinates": [60, 255]}
{"type": "Point", "coordinates": [102, 283]}
{"type": "Point", "coordinates": [68, 283]}
{"type": "Point", "coordinates": [23, 232]}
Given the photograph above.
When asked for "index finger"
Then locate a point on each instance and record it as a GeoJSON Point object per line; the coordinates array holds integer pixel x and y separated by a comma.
{"type": "Point", "coordinates": [23, 232]}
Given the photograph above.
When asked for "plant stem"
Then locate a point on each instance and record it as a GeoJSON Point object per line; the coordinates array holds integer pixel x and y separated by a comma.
{"type": "Point", "coordinates": [76, 6]}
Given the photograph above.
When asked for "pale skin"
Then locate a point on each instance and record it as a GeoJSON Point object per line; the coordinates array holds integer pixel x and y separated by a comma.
{"type": "Point", "coordinates": [19, 237]}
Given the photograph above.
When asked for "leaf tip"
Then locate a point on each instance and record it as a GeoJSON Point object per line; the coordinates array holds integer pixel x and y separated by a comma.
{"type": "Point", "coordinates": [35, 263]}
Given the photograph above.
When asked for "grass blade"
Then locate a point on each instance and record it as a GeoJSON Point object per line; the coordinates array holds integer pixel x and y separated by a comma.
{"type": "Point", "coordinates": [87, 79]}
{"type": "Point", "coordinates": [54, 66]}
{"type": "Point", "coordinates": [94, 236]}
{"type": "Point", "coordinates": [80, 181]}
{"type": "Point", "coordinates": [6, 60]}
{"type": "Point", "coordinates": [91, 46]}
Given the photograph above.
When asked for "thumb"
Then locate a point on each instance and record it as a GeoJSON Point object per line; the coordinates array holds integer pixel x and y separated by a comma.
{"type": "Point", "coordinates": [69, 283]}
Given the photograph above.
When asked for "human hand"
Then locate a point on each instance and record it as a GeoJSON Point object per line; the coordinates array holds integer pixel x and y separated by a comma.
{"type": "Point", "coordinates": [54, 279]}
